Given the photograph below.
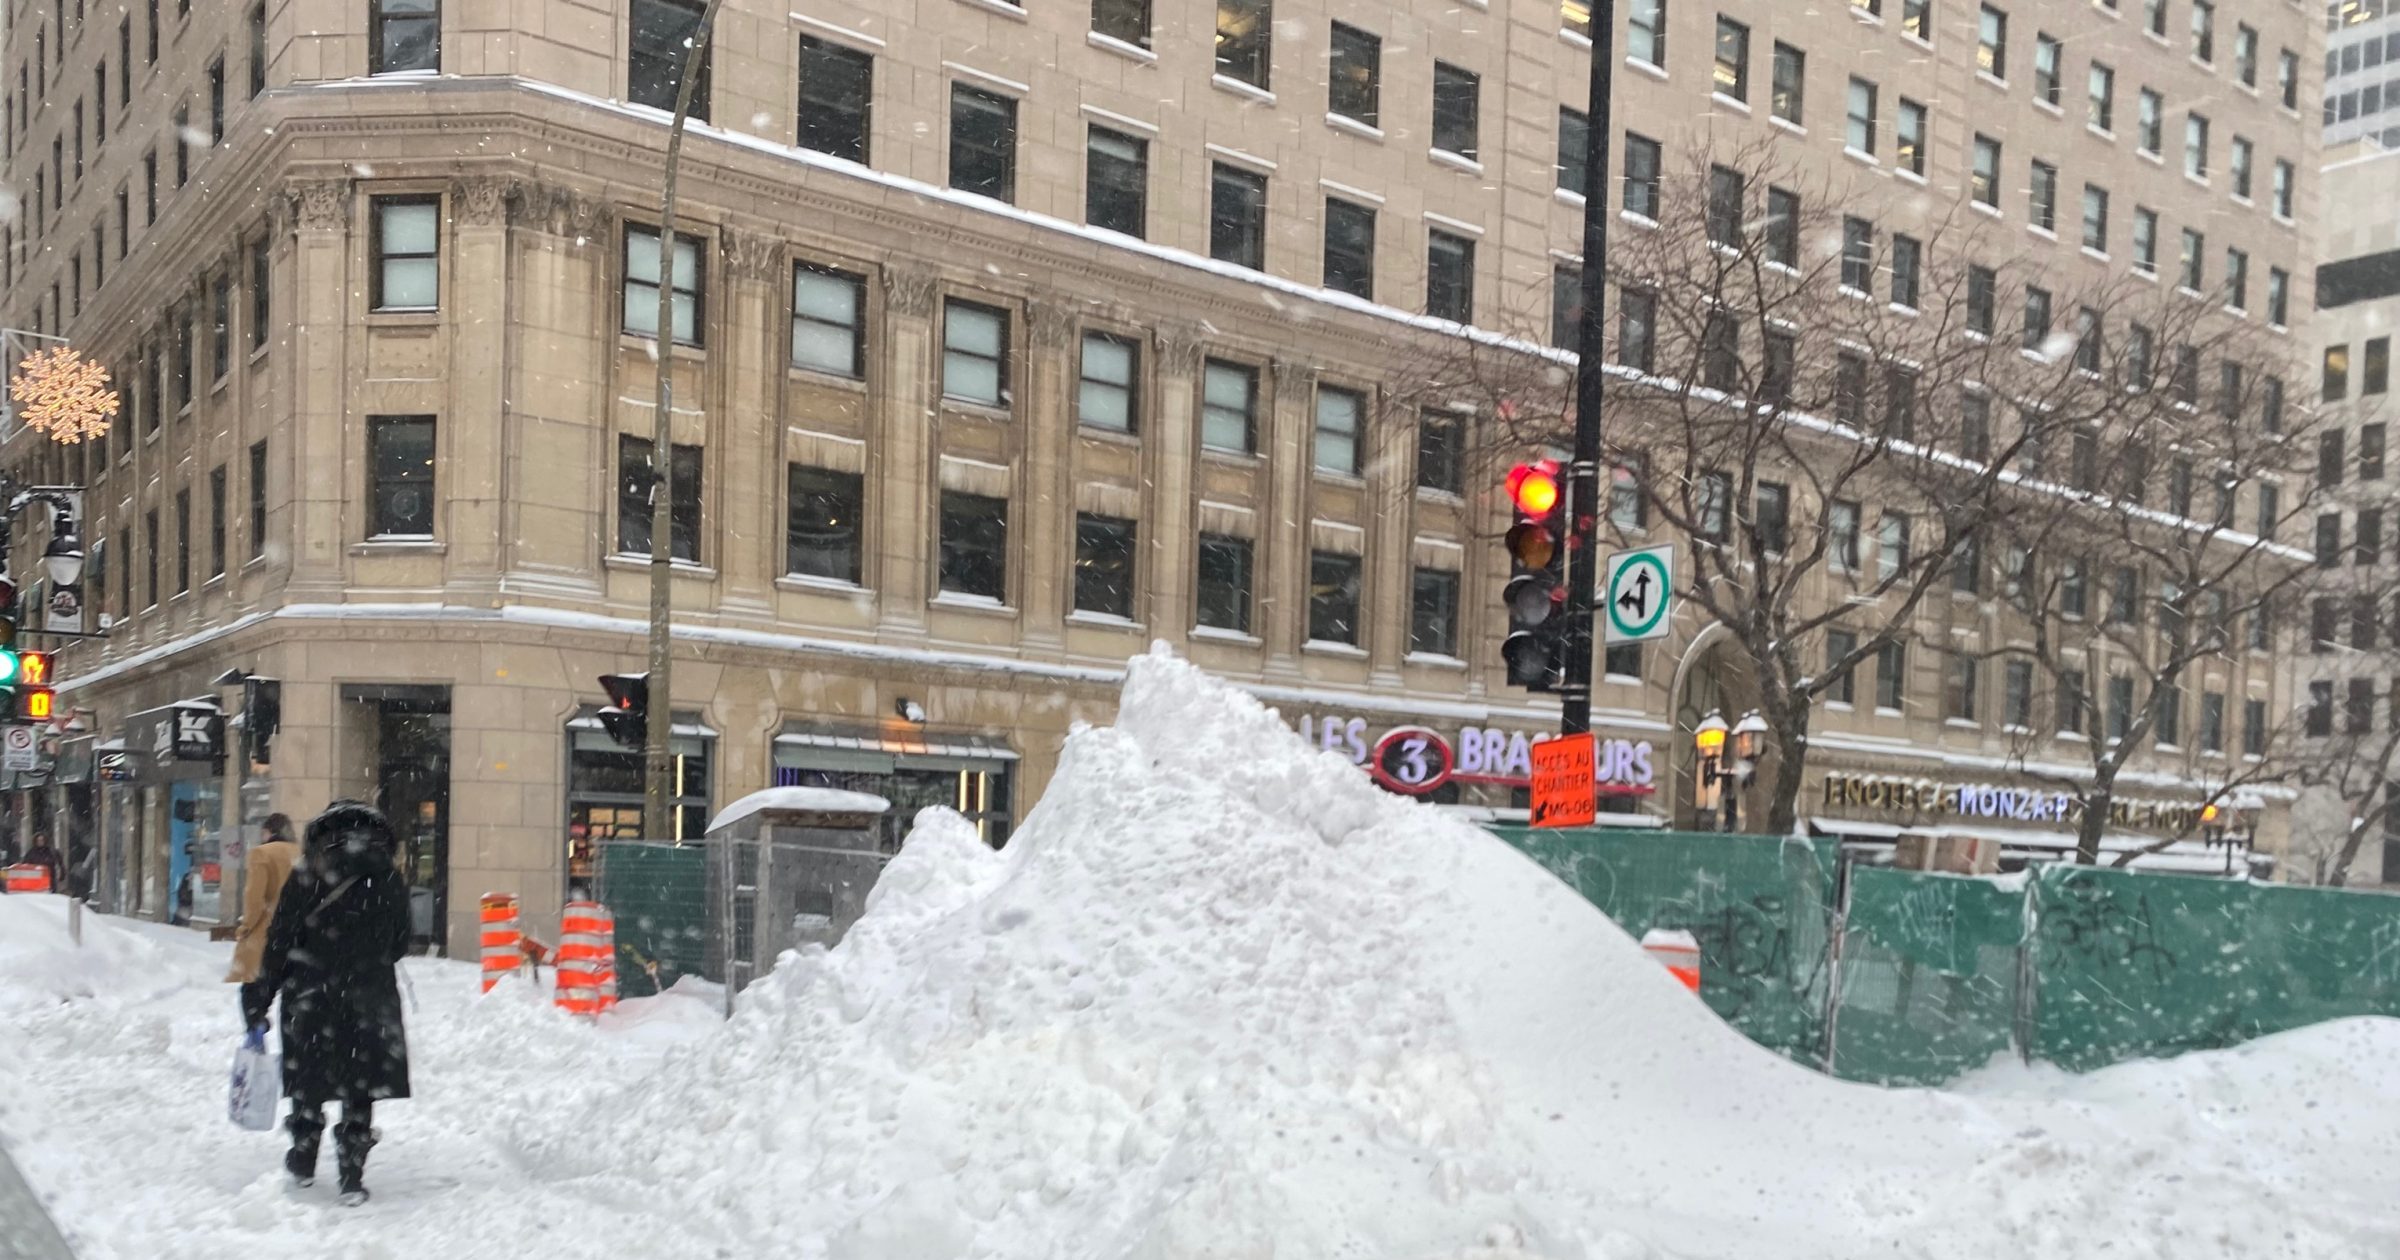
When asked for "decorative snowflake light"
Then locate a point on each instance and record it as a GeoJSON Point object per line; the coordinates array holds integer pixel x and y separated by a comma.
{"type": "Point", "coordinates": [63, 395]}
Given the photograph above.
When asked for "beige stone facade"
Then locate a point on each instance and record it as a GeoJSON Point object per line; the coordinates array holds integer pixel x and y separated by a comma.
{"type": "Point", "coordinates": [493, 626]}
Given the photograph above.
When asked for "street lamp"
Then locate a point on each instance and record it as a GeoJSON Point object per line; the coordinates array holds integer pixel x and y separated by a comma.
{"type": "Point", "coordinates": [1717, 771]}
{"type": "Point", "coordinates": [63, 558]}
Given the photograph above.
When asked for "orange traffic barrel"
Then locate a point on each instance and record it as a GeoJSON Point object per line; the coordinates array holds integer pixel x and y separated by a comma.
{"type": "Point", "coordinates": [29, 877]}
{"type": "Point", "coordinates": [1679, 952]}
{"type": "Point", "coordinates": [503, 941]}
{"type": "Point", "coordinates": [587, 958]}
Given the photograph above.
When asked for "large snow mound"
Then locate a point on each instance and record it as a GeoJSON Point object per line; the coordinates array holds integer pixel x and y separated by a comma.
{"type": "Point", "coordinates": [1221, 997]}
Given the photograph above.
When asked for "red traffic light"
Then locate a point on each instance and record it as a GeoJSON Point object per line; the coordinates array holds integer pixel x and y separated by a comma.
{"type": "Point", "coordinates": [1533, 487]}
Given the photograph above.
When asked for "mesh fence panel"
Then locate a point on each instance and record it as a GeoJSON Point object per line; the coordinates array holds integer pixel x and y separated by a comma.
{"type": "Point", "coordinates": [1759, 906]}
{"type": "Point", "coordinates": [1929, 975]}
{"type": "Point", "coordinates": [659, 894]}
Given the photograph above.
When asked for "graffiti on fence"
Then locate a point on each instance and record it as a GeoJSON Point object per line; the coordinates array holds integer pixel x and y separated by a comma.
{"type": "Point", "coordinates": [2106, 932]}
{"type": "Point", "coordinates": [1745, 946]}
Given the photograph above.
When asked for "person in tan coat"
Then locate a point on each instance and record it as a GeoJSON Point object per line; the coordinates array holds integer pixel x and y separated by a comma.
{"type": "Point", "coordinates": [264, 873]}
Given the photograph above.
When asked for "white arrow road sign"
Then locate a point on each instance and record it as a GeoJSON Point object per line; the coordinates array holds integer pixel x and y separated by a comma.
{"type": "Point", "coordinates": [1640, 590]}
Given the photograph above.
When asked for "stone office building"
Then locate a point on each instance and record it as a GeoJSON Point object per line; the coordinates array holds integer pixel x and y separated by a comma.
{"type": "Point", "coordinates": [1006, 341]}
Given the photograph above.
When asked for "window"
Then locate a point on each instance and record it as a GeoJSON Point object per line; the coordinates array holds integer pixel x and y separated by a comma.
{"type": "Point", "coordinates": [183, 540]}
{"type": "Point", "coordinates": [824, 515]}
{"type": "Point", "coordinates": [1641, 176]}
{"type": "Point", "coordinates": [1959, 685]}
{"type": "Point", "coordinates": [2363, 622]}
{"type": "Point", "coordinates": [2375, 366]}
{"type": "Point", "coordinates": [2337, 373]}
{"type": "Point", "coordinates": [1783, 227]}
{"type": "Point", "coordinates": [2280, 191]}
{"type": "Point", "coordinates": [1721, 352]}
{"type": "Point", "coordinates": [2120, 706]}
{"type": "Point", "coordinates": [635, 485]}
{"type": "Point", "coordinates": [1566, 304]}
{"type": "Point", "coordinates": [1228, 406]}
{"type": "Point", "coordinates": [1858, 254]}
{"type": "Point", "coordinates": [2245, 55]}
{"type": "Point", "coordinates": [1333, 586]}
{"type": "Point", "coordinates": [1116, 179]}
{"type": "Point", "coordinates": [1107, 392]}
{"type": "Point", "coordinates": [2370, 452]}
{"type": "Point", "coordinates": [974, 546]}
{"type": "Point", "coordinates": [1975, 426]}
{"type": "Point", "coordinates": [1891, 546]}
{"type": "Point", "coordinates": [2329, 539]}
{"type": "Point", "coordinates": [2100, 93]}
{"type": "Point", "coordinates": [1839, 644]}
{"type": "Point", "coordinates": [180, 138]}
{"type": "Point", "coordinates": [2095, 218]}
{"type": "Point", "coordinates": [828, 320]}
{"type": "Point", "coordinates": [1842, 535]}
{"type": "Point", "coordinates": [1788, 96]}
{"type": "Point", "coordinates": [2168, 732]}
{"type": "Point", "coordinates": [1355, 75]}
{"type": "Point", "coordinates": [216, 521]}
{"type": "Point", "coordinates": [2042, 196]}
{"type": "Point", "coordinates": [1712, 500]}
{"type": "Point", "coordinates": [1449, 276]}
{"type": "Point", "coordinates": [1637, 323]}
{"type": "Point", "coordinates": [400, 460]}
{"type": "Point", "coordinates": [1237, 227]}
{"type": "Point", "coordinates": [220, 326]}
{"type": "Point", "coordinates": [2148, 125]}
{"type": "Point", "coordinates": [837, 93]}
{"type": "Point", "coordinates": [406, 35]}
{"type": "Point", "coordinates": [1457, 102]}
{"type": "Point", "coordinates": [258, 500]}
{"type": "Point", "coordinates": [2195, 146]}
{"type": "Point", "coordinates": [2037, 317]}
{"type": "Point", "coordinates": [641, 285]}
{"type": "Point", "coordinates": [1732, 75]}
{"type": "Point", "coordinates": [2045, 68]}
{"type": "Point", "coordinates": [1433, 613]}
{"type": "Point", "coordinates": [1983, 286]}
{"type": "Point", "coordinates": [2369, 542]}
{"type": "Point", "coordinates": [1574, 144]}
{"type": "Point", "coordinates": [1624, 660]}
{"type": "Point", "coordinates": [1441, 453]}
{"type": "Point", "coordinates": [149, 187]}
{"type": "Point", "coordinates": [983, 143]}
{"type": "Point", "coordinates": [2358, 707]}
{"type": "Point", "coordinates": [1245, 41]}
{"type": "Point", "coordinates": [2279, 296]}
{"type": "Point", "coordinates": [663, 31]}
{"type": "Point", "coordinates": [2270, 510]}
{"type": "Point", "coordinates": [2187, 376]}
{"type": "Point", "coordinates": [2194, 248]}
{"type": "Point", "coordinates": [2237, 162]}
{"type": "Point", "coordinates": [183, 359]}
{"type": "Point", "coordinates": [1224, 583]}
{"type": "Point", "coordinates": [1104, 575]}
{"type": "Point", "coordinates": [216, 110]}
{"type": "Point", "coordinates": [2237, 279]}
{"type": "Point", "coordinates": [2287, 78]}
{"type": "Point", "coordinates": [1991, 42]}
{"type": "Point", "coordinates": [975, 353]}
{"type": "Point", "coordinates": [2324, 617]}
{"type": "Point", "coordinates": [1891, 667]}
{"type": "Point", "coordinates": [1726, 192]}
{"type": "Point", "coordinates": [124, 61]}
{"type": "Point", "coordinates": [406, 273]}
{"type": "Point", "coordinates": [2091, 350]}
{"type": "Point", "coordinates": [2072, 588]}
{"type": "Point", "coordinates": [2320, 711]}
{"type": "Point", "coordinates": [1861, 135]}
{"type": "Point", "coordinates": [2204, 29]}
{"type": "Point", "coordinates": [1909, 137]}
{"type": "Point", "coordinates": [1646, 32]}
{"type": "Point", "coordinates": [1916, 19]}
{"type": "Point", "coordinates": [1773, 516]}
{"type": "Point", "coordinates": [1339, 412]}
{"type": "Point", "coordinates": [261, 296]}
{"type": "Point", "coordinates": [2270, 403]}
{"type": "Point", "coordinates": [1906, 264]}
{"type": "Point", "coordinates": [1349, 248]}
{"type": "Point", "coordinates": [2083, 459]}
{"type": "Point", "coordinates": [1781, 364]}
{"type": "Point", "coordinates": [1984, 183]}
{"type": "Point", "coordinates": [1127, 21]}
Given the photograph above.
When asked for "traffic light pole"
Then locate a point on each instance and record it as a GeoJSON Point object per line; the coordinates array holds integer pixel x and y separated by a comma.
{"type": "Point", "coordinates": [658, 762]}
{"type": "Point", "coordinates": [1583, 472]}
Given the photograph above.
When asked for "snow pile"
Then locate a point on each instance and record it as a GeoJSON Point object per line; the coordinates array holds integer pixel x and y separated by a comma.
{"type": "Point", "coordinates": [1221, 997]}
{"type": "Point", "coordinates": [39, 954]}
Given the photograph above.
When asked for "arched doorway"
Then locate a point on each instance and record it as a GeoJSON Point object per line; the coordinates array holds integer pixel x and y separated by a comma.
{"type": "Point", "coordinates": [1713, 676]}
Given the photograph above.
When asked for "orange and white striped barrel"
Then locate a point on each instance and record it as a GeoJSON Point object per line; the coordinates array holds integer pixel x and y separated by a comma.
{"type": "Point", "coordinates": [1679, 952]}
{"type": "Point", "coordinates": [29, 877]}
{"type": "Point", "coordinates": [587, 958]}
{"type": "Point", "coordinates": [503, 940]}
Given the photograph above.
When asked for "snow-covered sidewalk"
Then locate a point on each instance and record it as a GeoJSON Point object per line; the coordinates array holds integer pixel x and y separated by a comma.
{"type": "Point", "coordinates": [1219, 999]}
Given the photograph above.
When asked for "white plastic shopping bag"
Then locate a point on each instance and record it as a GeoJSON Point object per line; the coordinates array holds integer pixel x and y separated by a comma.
{"type": "Point", "coordinates": [257, 1083]}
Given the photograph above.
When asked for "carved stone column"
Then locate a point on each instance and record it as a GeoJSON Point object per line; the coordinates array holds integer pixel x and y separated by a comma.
{"type": "Point", "coordinates": [474, 437]}
{"type": "Point", "coordinates": [900, 454]}
{"type": "Point", "coordinates": [560, 463]}
{"type": "Point", "coordinates": [1046, 419]}
{"type": "Point", "coordinates": [752, 371]}
{"type": "Point", "coordinates": [322, 480]}
{"type": "Point", "coordinates": [1171, 453]}
{"type": "Point", "coordinates": [1283, 544]}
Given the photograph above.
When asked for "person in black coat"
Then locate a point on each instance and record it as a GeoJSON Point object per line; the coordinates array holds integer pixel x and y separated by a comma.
{"type": "Point", "coordinates": [338, 934]}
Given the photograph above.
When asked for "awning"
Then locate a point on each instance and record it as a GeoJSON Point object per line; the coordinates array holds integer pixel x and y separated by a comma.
{"type": "Point", "coordinates": [681, 730]}
{"type": "Point", "coordinates": [832, 746]}
{"type": "Point", "coordinates": [1853, 827]}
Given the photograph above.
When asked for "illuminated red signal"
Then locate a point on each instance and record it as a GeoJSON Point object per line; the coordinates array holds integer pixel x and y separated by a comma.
{"type": "Point", "coordinates": [1534, 487]}
{"type": "Point", "coordinates": [33, 669]}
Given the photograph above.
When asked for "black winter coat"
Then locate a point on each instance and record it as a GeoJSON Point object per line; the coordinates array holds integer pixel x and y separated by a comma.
{"type": "Point", "coordinates": [339, 930]}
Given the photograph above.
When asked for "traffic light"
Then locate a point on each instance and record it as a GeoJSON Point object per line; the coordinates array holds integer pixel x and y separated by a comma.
{"type": "Point", "coordinates": [1537, 591]}
{"type": "Point", "coordinates": [34, 697]}
{"type": "Point", "coordinates": [11, 661]}
{"type": "Point", "coordinates": [262, 715]}
{"type": "Point", "coordinates": [627, 717]}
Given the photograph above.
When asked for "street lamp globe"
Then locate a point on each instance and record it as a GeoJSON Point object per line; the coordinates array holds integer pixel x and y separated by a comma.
{"type": "Point", "coordinates": [1709, 736]}
{"type": "Point", "coordinates": [1749, 735]}
{"type": "Point", "coordinates": [63, 560]}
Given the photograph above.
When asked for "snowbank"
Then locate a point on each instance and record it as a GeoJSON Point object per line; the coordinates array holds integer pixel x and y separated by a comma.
{"type": "Point", "coordinates": [1219, 997]}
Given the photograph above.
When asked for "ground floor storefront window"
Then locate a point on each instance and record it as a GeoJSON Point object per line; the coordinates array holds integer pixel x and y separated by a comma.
{"type": "Point", "coordinates": [604, 795]}
{"type": "Point", "coordinates": [972, 774]}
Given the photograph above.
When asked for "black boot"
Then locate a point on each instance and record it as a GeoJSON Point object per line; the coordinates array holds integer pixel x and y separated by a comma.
{"type": "Point", "coordinates": [355, 1136]}
{"type": "Point", "coordinates": [306, 1124]}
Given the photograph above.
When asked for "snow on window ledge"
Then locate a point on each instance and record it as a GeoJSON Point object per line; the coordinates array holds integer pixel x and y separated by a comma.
{"type": "Point", "coordinates": [965, 602]}
{"type": "Point", "coordinates": [820, 585]}
{"type": "Point", "coordinates": [1330, 647]}
{"type": "Point", "coordinates": [1221, 634]}
{"type": "Point", "coordinates": [1434, 660]}
{"type": "Point", "coordinates": [1110, 621]}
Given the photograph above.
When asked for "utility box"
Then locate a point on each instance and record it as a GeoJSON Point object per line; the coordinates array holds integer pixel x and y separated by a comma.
{"type": "Point", "coordinates": [788, 867]}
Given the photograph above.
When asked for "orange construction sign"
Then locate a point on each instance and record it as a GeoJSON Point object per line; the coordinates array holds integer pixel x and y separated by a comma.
{"type": "Point", "coordinates": [1565, 781]}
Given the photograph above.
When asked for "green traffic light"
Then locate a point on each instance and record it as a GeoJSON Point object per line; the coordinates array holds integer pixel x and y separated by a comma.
{"type": "Point", "coordinates": [8, 666]}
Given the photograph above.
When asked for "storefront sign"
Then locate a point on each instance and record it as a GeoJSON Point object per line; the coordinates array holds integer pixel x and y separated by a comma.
{"type": "Point", "coordinates": [177, 741]}
{"type": "Point", "coordinates": [1893, 794]}
{"type": "Point", "coordinates": [1415, 760]}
